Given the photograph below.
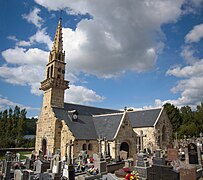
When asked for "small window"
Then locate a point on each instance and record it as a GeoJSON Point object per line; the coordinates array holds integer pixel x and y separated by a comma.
{"type": "Point", "coordinates": [59, 69]}
{"type": "Point", "coordinates": [58, 76]}
{"type": "Point", "coordinates": [90, 146]}
{"type": "Point", "coordinates": [84, 147]}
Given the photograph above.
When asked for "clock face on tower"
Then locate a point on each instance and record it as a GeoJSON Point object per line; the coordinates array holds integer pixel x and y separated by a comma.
{"type": "Point", "coordinates": [75, 116]}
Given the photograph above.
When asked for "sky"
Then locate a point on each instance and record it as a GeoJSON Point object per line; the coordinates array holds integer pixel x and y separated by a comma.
{"type": "Point", "coordinates": [133, 53]}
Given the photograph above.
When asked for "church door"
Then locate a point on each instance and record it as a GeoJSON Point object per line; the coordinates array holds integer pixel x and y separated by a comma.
{"type": "Point", "coordinates": [44, 147]}
{"type": "Point", "coordinates": [124, 147]}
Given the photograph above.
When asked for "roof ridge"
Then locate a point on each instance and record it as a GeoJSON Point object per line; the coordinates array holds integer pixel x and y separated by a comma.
{"type": "Point", "coordinates": [91, 106]}
{"type": "Point", "coordinates": [110, 114]}
{"type": "Point", "coordinates": [156, 108]}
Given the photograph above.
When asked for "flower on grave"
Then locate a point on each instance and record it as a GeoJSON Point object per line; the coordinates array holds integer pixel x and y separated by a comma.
{"type": "Point", "coordinates": [93, 170]}
{"type": "Point", "coordinates": [132, 176]}
{"type": "Point", "coordinates": [91, 159]}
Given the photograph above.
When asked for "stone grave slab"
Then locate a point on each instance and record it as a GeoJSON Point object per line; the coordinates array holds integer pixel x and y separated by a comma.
{"type": "Point", "coordinates": [18, 175]}
{"type": "Point", "coordinates": [192, 153]}
{"type": "Point", "coordinates": [123, 155]}
{"type": "Point", "coordinates": [172, 154]}
{"type": "Point", "coordinates": [157, 172]}
{"type": "Point", "coordinates": [187, 174]}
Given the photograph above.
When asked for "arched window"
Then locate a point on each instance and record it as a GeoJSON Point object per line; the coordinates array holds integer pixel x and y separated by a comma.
{"type": "Point", "coordinates": [90, 146]}
{"type": "Point", "coordinates": [48, 72]}
{"type": "Point", "coordinates": [84, 147]}
{"type": "Point", "coordinates": [163, 133]}
{"type": "Point", "coordinates": [51, 71]}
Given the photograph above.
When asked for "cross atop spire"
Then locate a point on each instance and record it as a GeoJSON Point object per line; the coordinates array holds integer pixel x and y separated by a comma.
{"type": "Point", "coordinates": [58, 39]}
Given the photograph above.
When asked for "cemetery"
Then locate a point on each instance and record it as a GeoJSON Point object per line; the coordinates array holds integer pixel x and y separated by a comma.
{"type": "Point", "coordinates": [77, 142]}
{"type": "Point", "coordinates": [183, 161]}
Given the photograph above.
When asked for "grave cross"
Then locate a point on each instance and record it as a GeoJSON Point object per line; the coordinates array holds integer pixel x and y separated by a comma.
{"type": "Point", "coordinates": [105, 147]}
{"type": "Point", "coordinates": [70, 144]}
{"type": "Point", "coordinates": [141, 140]}
{"type": "Point", "coordinates": [185, 141]}
{"type": "Point", "coordinates": [100, 139]}
{"type": "Point", "coordinates": [117, 150]}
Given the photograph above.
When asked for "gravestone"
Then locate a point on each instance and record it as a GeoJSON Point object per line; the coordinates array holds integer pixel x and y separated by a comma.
{"type": "Point", "coordinates": [101, 165]}
{"type": "Point", "coordinates": [18, 175]}
{"type": "Point", "coordinates": [192, 153]}
{"type": "Point", "coordinates": [17, 157]}
{"type": "Point", "coordinates": [159, 159]}
{"type": "Point", "coordinates": [158, 172]}
{"type": "Point", "coordinates": [123, 155]}
{"type": "Point", "coordinates": [28, 174]}
{"type": "Point", "coordinates": [8, 169]}
{"type": "Point", "coordinates": [142, 165]}
{"type": "Point", "coordinates": [41, 167]}
{"type": "Point", "coordinates": [28, 163]}
{"type": "Point", "coordinates": [172, 154]}
{"type": "Point", "coordinates": [188, 173]}
{"type": "Point", "coordinates": [56, 172]}
{"type": "Point", "coordinates": [65, 172]}
{"type": "Point", "coordinates": [110, 176]}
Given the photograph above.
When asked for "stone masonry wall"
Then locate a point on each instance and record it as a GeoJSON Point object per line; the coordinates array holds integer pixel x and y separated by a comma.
{"type": "Point", "coordinates": [149, 140]}
{"type": "Point", "coordinates": [126, 134]}
{"type": "Point", "coordinates": [46, 130]}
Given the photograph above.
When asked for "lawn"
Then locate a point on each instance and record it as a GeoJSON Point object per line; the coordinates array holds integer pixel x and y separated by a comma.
{"type": "Point", "coordinates": [23, 155]}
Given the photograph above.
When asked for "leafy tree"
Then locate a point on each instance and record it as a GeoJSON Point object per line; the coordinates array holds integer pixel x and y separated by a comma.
{"type": "Point", "coordinates": [199, 117]}
{"type": "Point", "coordinates": [12, 123]}
{"type": "Point", "coordinates": [187, 114]}
{"type": "Point", "coordinates": [174, 116]}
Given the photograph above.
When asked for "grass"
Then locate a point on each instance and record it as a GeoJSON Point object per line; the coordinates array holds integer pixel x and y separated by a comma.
{"type": "Point", "coordinates": [22, 155]}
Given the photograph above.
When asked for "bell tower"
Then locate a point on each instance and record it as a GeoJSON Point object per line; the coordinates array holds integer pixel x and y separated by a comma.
{"type": "Point", "coordinates": [54, 85]}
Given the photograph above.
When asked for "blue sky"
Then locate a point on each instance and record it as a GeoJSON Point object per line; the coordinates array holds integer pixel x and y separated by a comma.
{"type": "Point", "coordinates": [133, 53]}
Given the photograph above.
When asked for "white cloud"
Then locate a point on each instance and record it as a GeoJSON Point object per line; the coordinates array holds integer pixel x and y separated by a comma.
{"type": "Point", "coordinates": [121, 35]}
{"type": "Point", "coordinates": [34, 18]}
{"type": "Point", "coordinates": [191, 86]}
{"type": "Point", "coordinates": [30, 71]}
{"type": "Point", "coordinates": [5, 103]}
{"type": "Point", "coordinates": [195, 35]}
{"type": "Point", "coordinates": [13, 38]}
{"type": "Point", "coordinates": [194, 70]}
{"type": "Point", "coordinates": [81, 95]}
{"type": "Point", "coordinates": [40, 36]}
{"type": "Point", "coordinates": [32, 56]}
{"type": "Point", "coordinates": [188, 54]}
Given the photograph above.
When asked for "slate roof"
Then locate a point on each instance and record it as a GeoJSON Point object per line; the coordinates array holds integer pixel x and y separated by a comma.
{"type": "Point", "coordinates": [84, 127]}
{"type": "Point", "coordinates": [88, 110]}
{"type": "Point", "coordinates": [144, 118]}
{"type": "Point", "coordinates": [107, 125]}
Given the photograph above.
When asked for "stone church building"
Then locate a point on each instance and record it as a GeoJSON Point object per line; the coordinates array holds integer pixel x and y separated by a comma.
{"type": "Point", "coordinates": [64, 124]}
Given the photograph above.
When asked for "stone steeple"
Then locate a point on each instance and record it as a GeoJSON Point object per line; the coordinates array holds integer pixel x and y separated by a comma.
{"type": "Point", "coordinates": [54, 85]}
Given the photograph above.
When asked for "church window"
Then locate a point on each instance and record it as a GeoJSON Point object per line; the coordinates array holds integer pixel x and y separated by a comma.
{"type": "Point", "coordinates": [164, 133]}
{"type": "Point", "coordinates": [90, 146]}
{"type": "Point", "coordinates": [84, 147]}
{"type": "Point", "coordinates": [48, 72]}
{"type": "Point", "coordinates": [51, 70]}
{"type": "Point", "coordinates": [59, 69]}
{"type": "Point", "coordinates": [58, 76]}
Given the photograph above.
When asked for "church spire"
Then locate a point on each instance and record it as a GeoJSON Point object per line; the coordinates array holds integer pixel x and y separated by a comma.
{"type": "Point", "coordinates": [57, 48]}
{"type": "Point", "coordinates": [58, 39]}
{"type": "Point", "coordinates": [55, 84]}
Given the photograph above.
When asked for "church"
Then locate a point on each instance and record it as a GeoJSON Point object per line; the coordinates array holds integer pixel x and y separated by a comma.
{"type": "Point", "coordinates": [64, 124]}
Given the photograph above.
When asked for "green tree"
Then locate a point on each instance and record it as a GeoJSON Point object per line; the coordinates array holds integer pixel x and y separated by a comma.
{"type": "Point", "coordinates": [174, 116]}
{"type": "Point", "coordinates": [199, 117]}
{"type": "Point", "coordinates": [187, 114]}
